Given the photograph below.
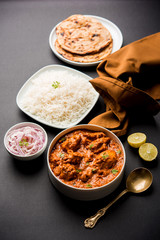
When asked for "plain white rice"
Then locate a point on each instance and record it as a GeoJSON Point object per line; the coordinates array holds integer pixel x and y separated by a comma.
{"type": "Point", "coordinates": [61, 106]}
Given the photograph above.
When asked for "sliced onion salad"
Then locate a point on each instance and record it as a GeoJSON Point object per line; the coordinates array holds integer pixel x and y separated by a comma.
{"type": "Point", "coordinates": [25, 141]}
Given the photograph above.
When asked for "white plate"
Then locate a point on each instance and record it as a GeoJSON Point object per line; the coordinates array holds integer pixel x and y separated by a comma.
{"type": "Point", "coordinates": [113, 29]}
{"type": "Point", "coordinates": [28, 84]}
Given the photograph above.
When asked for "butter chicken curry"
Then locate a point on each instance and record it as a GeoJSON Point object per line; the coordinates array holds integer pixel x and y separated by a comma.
{"type": "Point", "coordinates": [86, 159]}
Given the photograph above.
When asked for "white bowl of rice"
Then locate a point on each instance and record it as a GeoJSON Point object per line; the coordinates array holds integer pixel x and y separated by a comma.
{"type": "Point", "coordinates": [57, 96]}
{"type": "Point", "coordinates": [25, 141]}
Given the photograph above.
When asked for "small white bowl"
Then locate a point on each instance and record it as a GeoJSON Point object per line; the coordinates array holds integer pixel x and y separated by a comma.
{"type": "Point", "coordinates": [81, 193]}
{"type": "Point", "coordinates": [32, 156]}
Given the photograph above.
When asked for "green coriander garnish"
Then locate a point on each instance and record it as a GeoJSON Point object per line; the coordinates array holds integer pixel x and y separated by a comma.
{"type": "Point", "coordinates": [91, 146]}
{"type": "Point", "coordinates": [114, 171]}
{"type": "Point", "coordinates": [56, 84]}
{"type": "Point", "coordinates": [87, 163]}
{"type": "Point", "coordinates": [104, 156]}
{"type": "Point", "coordinates": [78, 170]}
{"type": "Point", "coordinates": [93, 170]}
{"type": "Point", "coordinates": [61, 155]}
{"type": "Point", "coordinates": [89, 186]}
{"type": "Point", "coordinates": [119, 151]}
{"type": "Point", "coordinates": [23, 142]}
{"type": "Point", "coordinates": [63, 139]}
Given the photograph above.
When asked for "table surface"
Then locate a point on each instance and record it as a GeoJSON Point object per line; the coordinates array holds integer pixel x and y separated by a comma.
{"type": "Point", "coordinates": [30, 207]}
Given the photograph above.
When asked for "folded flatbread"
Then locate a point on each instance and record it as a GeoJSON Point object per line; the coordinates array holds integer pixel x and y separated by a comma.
{"type": "Point", "coordinates": [80, 34]}
{"type": "Point", "coordinates": [84, 58]}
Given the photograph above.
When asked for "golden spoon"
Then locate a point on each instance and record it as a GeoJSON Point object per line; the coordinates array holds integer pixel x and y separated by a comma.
{"type": "Point", "coordinates": [139, 180]}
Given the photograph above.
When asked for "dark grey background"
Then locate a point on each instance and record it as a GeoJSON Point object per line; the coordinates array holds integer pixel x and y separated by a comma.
{"type": "Point", "coordinates": [30, 207]}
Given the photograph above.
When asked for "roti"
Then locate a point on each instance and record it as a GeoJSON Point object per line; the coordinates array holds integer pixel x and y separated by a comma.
{"type": "Point", "coordinates": [85, 58]}
{"type": "Point", "coordinates": [82, 35]}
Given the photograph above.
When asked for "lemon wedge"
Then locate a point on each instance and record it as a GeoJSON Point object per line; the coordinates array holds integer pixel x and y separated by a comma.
{"type": "Point", "coordinates": [148, 151]}
{"type": "Point", "coordinates": [136, 139]}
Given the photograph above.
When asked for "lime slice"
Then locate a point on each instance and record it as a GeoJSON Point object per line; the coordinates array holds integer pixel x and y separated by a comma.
{"type": "Point", "coordinates": [148, 151]}
{"type": "Point", "coordinates": [136, 139]}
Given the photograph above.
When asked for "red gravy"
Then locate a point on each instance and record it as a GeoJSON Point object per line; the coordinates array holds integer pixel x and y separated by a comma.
{"type": "Point", "coordinates": [86, 159]}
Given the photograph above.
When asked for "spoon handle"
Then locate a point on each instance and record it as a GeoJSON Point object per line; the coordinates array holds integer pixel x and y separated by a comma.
{"type": "Point", "coordinates": [91, 221]}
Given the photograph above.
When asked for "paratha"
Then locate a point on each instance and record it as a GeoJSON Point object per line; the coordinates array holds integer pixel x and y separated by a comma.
{"type": "Point", "coordinates": [80, 34]}
{"type": "Point", "coordinates": [84, 58]}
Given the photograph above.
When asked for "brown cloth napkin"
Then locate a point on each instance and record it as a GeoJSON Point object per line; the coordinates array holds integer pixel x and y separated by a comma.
{"type": "Point", "coordinates": [129, 79]}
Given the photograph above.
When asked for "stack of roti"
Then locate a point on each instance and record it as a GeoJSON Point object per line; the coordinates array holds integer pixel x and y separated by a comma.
{"type": "Point", "coordinates": [83, 39]}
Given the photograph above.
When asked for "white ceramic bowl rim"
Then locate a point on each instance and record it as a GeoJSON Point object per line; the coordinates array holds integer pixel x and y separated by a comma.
{"type": "Point", "coordinates": [21, 124]}
{"type": "Point", "coordinates": [81, 127]}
